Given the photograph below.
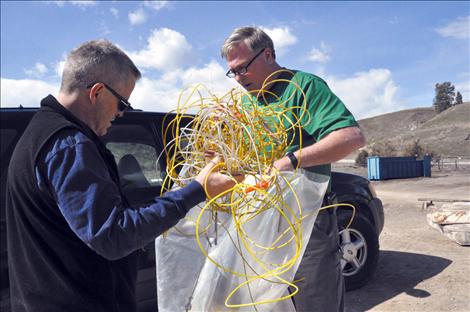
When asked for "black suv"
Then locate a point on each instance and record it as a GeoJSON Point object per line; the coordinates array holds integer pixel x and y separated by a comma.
{"type": "Point", "coordinates": [136, 142]}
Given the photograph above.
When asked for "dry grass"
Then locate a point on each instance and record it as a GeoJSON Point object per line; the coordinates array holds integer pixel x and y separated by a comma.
{"type": "Point", "coordinates": [446, 134]}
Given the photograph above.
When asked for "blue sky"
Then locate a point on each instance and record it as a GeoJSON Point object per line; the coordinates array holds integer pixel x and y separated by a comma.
{"type": "Point", "coordinates": [377, 57]}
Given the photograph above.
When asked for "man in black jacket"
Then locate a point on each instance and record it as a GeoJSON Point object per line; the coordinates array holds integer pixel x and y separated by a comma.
{"type": "Point", "coordinates": [72, 236]}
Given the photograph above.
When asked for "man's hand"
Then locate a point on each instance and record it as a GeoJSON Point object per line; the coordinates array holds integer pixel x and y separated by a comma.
{"type": "Point", "coordinates": [283, 164]}
{"type": "Point", "coordinates": [215, 182]}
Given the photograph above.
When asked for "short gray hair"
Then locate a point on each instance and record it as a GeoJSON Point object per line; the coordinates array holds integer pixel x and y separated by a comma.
{"type": "Point", "coordinates": [97, 61]}
{"type": "Point", "coordinates": [254, 38]}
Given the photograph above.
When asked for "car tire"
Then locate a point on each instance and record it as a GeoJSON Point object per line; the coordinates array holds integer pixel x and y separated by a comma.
{"type": "Point", "coordinates": [360, 248]}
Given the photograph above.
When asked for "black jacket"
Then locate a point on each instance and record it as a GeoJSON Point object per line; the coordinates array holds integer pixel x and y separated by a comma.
{"type": "Point", "coordinates": [50, 268]}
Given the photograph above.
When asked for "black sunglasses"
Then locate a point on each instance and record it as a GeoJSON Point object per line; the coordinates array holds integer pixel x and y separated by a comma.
{"type": "Point", "coordinates": [123, 104]}
{"type": "Point", "coordinates": [233, 73]}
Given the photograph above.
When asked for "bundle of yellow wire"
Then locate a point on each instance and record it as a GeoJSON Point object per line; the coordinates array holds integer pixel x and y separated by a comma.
{"type": "Point", "coordinates": [249, 138]}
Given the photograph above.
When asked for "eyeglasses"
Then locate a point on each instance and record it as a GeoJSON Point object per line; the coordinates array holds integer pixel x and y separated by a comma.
{"type": "Point", "coordinates": [123, 104]}
{"type": "Point", "coordinates": [233, 73]}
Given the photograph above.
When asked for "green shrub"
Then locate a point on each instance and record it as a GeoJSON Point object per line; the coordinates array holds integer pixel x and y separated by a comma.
{"type": "Point", "coordinates": [413, 149]}
{"type": "Point", "coordinates": [383, 149]}
{"type": "Point", "coordinates": [361, 158]}
{"type": "Point", "coordinates": [417, 150]}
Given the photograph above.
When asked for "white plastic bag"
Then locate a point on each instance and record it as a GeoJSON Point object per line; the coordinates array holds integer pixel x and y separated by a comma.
{"type": "Point", "coordinates": [187, 280]}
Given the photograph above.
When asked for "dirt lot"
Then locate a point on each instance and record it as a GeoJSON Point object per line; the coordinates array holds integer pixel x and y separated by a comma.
{"type": "Point", "coordinates": [419, 268]}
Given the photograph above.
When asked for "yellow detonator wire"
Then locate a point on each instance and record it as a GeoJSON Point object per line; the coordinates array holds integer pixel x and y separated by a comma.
{"type": "Point", "coordinates": [249, 138]}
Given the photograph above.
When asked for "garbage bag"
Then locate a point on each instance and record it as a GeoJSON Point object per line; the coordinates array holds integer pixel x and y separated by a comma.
{"type": "Point", "coordinates": [248, 259]}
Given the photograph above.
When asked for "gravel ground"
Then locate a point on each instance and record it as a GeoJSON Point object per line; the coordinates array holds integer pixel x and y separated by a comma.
{"type": "Point", "coordinates": [419, 268]}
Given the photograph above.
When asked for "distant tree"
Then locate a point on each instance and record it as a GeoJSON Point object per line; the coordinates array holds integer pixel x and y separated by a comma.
{"type": "Point", "coordinates": [416, 149]}
{"type": "Point", "coordinates": [383, 149]}
{"type": "Point", "coordinates": [413, 149]}
{"type": "Point", "coordinates": [444, 96]}
{"type": "Point", "coordinates": [361, 158]}
{"type": "Point", "coordinates": [458, 98]}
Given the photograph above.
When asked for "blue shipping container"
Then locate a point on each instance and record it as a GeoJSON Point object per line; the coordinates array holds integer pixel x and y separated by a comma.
{"type": "Point", "coordinates": [382, 168]}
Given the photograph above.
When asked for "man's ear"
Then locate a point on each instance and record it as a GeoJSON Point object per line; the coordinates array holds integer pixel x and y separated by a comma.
{"type": "Point", "coordinates": [94, 91]}
{"type": "Point", "coordinates": [268, 54]}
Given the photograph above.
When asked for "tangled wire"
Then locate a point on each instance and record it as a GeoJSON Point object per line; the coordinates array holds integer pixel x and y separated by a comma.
{"type": "Point", "coordinates": [249, 138]}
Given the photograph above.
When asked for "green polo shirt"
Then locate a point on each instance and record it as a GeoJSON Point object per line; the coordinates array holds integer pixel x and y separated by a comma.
{"type": "Point", "coordinates": [308, 97]}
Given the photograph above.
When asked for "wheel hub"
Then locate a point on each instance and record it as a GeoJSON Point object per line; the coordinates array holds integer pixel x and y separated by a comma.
{"type": "Point", "coordinates": [354, 251]}
{"type": "Point", "coordinates": [349, 252]}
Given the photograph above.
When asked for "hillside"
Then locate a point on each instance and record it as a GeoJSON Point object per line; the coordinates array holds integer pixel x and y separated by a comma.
{"type": "Point", "coordinates": [446, 134]}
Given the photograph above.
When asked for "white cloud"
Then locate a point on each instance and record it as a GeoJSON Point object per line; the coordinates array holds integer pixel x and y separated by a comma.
{"type": "Point", "coordinates": [166, 50]}
{"type": "Point", "coordinates": [155, 95]}
{"type": "Point", "coordinates": [367, 94]}
{"type": "Point", "coordinates": [162, 94]}
{"type": "Point", "coordinates": [212, 75]}
{"type": "Point", "coordinates": [25, 92]}
{"type": "Point", "coordinates": [59, 65]}
{"type": "Point", "coordinates": [37, 71]}
{"type": "Point", "coordinates": [58, 3]}
{"type": "Point", "coordinates": [464, 89]}
{"type": "Point", "coordinates": [282, 38]}
{"type": "Point", "coordinates": [137, 17]}
{"type": "Point", "coordinates": [156, 5]}
{"type": "Point", "coordinates": [462, 85]}
{"type": "Point", "coordinates": [320, 55]}
{"type": "Point", "coordinates": [81, 4]}
{"type": "Point", "coordinates": [460, 28]}
{"type": "Point", "coordinates": [104, 29]}
{"type": "Point", "coordinates": [114, 12]}
{"type": "Point", "coordinates": [464, 75]}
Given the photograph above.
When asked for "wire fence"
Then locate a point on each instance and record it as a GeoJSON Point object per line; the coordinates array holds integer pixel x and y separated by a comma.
{"type": "Point", "coordinates": [451, 162]}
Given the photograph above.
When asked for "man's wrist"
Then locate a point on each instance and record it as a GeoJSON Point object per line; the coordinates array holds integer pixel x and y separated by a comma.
{"type": "Point", "coordinates": [293, 160]}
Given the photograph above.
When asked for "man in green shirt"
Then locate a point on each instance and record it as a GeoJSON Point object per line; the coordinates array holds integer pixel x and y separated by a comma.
{"type": "Point", "coordinates": [328, 133]}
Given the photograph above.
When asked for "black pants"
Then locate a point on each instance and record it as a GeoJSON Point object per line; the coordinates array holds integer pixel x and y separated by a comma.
{"type": "Point", "coordinates": [322, 285]}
